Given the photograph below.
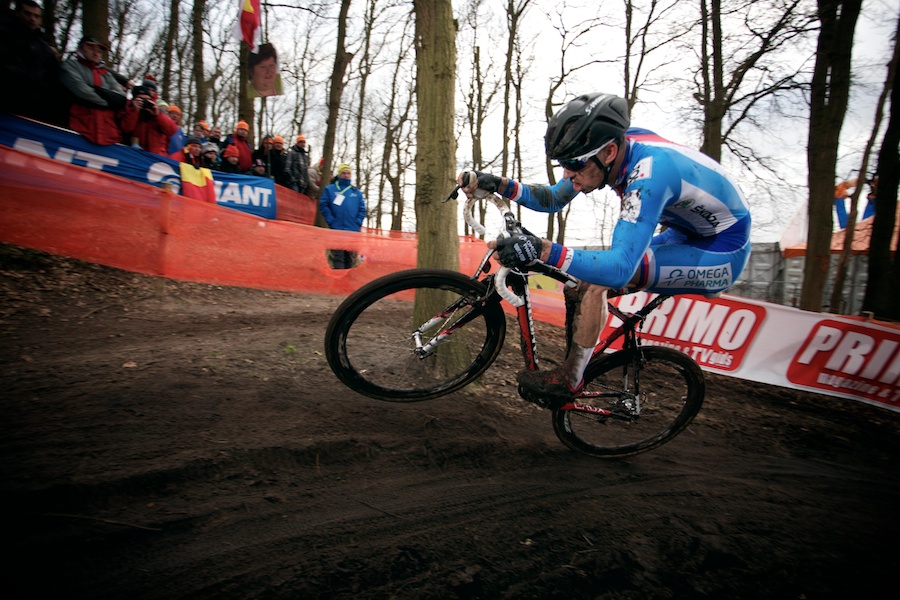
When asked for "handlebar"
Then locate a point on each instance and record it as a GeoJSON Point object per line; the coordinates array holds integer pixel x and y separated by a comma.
{"type": "Point", "coordinates": [510, 226]}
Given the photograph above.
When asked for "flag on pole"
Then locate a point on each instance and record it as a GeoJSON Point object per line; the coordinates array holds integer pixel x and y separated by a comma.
{"type": "Point", "coordinates": [248, 26]}
{"type": "Point", "coordinates": [197, 183]}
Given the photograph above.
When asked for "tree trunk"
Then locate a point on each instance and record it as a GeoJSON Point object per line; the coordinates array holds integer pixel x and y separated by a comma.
{"type": "Point", "coordinates": [341, 62]}
{"type": "Point", "coordinates": [95, 19]}
{"type": "Point", "coordinates": [169, 49]}
{"type": "Point", "coordinates": [837, 292]}
{"type": "Point", "coordinates": [883, 286]}
{"type": "Point", "coordinates": [435, 139]}
{"type": "Point", "coordinates": [436, 221]}
{"type": "Point", "coordinates": [713, 100]}
{"type": "Point", "coordinates": [200, 91]}
{"type": "Point", "coordinates": [245, 104]}
{"type": "Point", "coordinates": [830, 91]}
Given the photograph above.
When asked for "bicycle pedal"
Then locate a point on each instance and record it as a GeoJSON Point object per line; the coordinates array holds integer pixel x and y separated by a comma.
{"type": "Point", "coordinates": [542, 401]}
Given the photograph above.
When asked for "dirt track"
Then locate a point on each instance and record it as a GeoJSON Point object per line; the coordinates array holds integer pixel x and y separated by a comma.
{"type": "Point", "coordinates": [171, 440]}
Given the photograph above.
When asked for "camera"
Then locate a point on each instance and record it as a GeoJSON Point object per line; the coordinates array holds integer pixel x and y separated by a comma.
{"type": "Point", "coordinates": [146, 104]}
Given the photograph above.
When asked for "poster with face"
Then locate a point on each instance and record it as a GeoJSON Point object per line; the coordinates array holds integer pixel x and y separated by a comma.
{"type": "Point", "coordinates": [265, 80]}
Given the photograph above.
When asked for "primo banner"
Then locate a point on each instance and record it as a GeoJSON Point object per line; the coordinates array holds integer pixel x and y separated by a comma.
{"type": "Point", "coordinates": [254, 195]}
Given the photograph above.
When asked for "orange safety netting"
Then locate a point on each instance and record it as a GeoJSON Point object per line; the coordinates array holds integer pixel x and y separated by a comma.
{"type": "Point", "coordinates": [93, 216]}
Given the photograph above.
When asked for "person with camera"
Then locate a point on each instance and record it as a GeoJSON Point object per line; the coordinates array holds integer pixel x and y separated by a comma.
{"type": "Point", "coordinates": [145, 125]}
{"type": "Point", "coordinates": [98, 100]}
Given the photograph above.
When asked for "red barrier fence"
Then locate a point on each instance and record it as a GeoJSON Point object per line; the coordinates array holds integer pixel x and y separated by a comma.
{"type": "Point", "coordinates": [93, 216]}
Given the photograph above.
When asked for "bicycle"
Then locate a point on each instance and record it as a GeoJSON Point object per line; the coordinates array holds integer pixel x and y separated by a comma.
{"type": "Point", "coordinates": [421, 334]}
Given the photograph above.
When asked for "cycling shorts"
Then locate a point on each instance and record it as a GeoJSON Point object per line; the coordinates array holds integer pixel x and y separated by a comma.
{"type": "Point", "coordinates": [677, 264]}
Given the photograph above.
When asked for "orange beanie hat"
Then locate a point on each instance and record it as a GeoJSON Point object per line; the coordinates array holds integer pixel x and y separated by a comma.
{"type": "Point", "coordinates": [231, 150]}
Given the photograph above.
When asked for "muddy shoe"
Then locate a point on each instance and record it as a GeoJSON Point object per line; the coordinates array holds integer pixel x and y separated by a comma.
{"type": "Point", "coordinates": [547, 389]}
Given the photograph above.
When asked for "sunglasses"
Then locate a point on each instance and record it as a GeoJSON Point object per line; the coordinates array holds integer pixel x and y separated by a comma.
{"type": "Point", "coordinates": [580, 162]}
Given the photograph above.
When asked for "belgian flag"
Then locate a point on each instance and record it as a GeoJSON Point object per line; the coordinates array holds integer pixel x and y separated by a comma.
{"type": "Point", "coordinates": [197, 182]}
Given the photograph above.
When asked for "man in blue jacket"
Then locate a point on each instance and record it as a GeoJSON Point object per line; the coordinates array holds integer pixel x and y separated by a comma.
{"type": "Point", "coordinates": [344, 208]}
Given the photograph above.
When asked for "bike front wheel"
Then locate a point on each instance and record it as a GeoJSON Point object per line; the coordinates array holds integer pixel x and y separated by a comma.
{"type": "Point", "coordinates": [613, 418]}
{"type": "Point", "coordinates": [414, 335]}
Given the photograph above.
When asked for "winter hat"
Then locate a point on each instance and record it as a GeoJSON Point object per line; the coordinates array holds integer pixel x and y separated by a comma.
{"type": "Point", "coordinates": [242, 125]}
{"type": "Point", "coordinates": [343, 166]}
{"type": "Point", "coordinates": [210, 148]}
{"type": "Point", "coordinates": [301, 138]}
{"type": "Point", "coordinates": [162, 104]}
{"type": "Point", "coordinates": [90, 39]}
{"type": "Point", "coordinates": [259, 163]}
{"type": "Point", "coordinates": [140, 90]}
{"type": "Point", "coordinates": [277, 140]}
{"type": "Point", "coordinates": [231, 150]}
{"type": "Point", "coordinates": [204, 125]}
{"type": "Point", "coordinates": [149, 82]}
{"type": "Point", "coordinates": [173, 109]}
{"type": "Point", "coordinates": [193, 139]}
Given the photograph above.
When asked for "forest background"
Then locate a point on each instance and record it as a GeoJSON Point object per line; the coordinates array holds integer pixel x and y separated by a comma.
{"type": "Point", "coordinates": [734, 79]}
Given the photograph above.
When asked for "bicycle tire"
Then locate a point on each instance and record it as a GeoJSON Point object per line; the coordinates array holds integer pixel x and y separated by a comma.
{"type": "Point", "coordinates": [369, 339]}
{"type": "Point", "coordinates": [672, 388]}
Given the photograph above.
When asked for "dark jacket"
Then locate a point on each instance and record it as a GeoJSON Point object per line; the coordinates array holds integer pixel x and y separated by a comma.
{"type": "Point", "coordinates": [296, 169]}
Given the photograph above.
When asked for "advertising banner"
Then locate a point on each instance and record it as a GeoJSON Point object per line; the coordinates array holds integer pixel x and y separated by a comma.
{"type": "Point", "coordinates": [254, 195]}
{"type": "Point", "coordinates": [760, 341]}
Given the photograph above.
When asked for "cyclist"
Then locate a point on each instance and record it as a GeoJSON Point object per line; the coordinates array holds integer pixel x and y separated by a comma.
{"type": "Point", "coordinates": [703, 248]}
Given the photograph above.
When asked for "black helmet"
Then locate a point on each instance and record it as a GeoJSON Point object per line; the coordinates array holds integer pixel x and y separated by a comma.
{"type": "Point", "coordinates": [585, 124]}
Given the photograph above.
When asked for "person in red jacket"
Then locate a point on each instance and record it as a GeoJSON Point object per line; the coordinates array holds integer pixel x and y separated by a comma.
{"type": "Point", "coordinates": [98, 99]}
{"type": "Point", "coordinates": [239, 140]}
{"type": "Point", "coordinates": [190, 153]}
{"type": "Point", "coordinates": [145, 125]}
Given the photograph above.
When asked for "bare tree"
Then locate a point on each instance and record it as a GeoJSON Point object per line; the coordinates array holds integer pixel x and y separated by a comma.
{"type": "Point", "coordinates": [435, 142]}
{"type": "Point", "coordinates": [837, 291]}
{"type": "Point", "coordinates": [883, 285]}
{"type": "Point", "coordinates": [644, 40]}
{"type": "Point", "coordinates": [730, 86]}
{"type": "Point", "coordinates": [571, 39]}
{"type": "Point", "coordinates": [514, 13]}
{"type": "Point", "coordinates": [342, 60]}
{"type": "Point", "coordinates": [829, 94]}
{"type": "Point", "coordinates": [168, 48]}
{"type": "Point", "coordinates": [95, 18]}
{"type": "Point", "coordinates": [200, 88]}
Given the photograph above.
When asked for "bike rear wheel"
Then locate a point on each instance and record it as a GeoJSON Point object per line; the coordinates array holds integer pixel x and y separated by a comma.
{"type": "Point", "coordinates": [371, 347]}
{"type": "Point", "coordinates": [671, 393]}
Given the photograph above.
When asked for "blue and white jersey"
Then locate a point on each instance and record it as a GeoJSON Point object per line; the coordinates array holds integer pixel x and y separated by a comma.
{"type": "Point", "coordinates": [660, 183]}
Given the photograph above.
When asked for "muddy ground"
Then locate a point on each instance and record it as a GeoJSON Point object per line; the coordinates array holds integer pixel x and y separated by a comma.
{"type": "Point", "coordinates": [170, 440]}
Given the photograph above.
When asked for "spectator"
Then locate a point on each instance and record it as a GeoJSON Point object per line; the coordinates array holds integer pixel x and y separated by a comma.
{"type": "Point", "coordinates": [149, 82]}
{"type": "Point", "coordinates": [190, 153]}
{"type": "Point", "coordinates": [201, 130]}
{"type": "Point", "coordinates": [145, 125]}
{"type": "Point", "coordinates": [176, 142]}
{"type": "Point", "coordinates": [296, 166]}
{"type": "Point", "coordinates": [99, 100]}
{"type": "Point", "coordinates": [258, 169]}
{"type": "Point", "coordinates": [344, 208]}
{"type": "Point", "coordinates": [230, 156]}
{"type": "Point", "coordinates": [263, 151]}
{"type": "Point", "coordinates": [276, 161]}
{"type": "Point", "coordinates": [314, 179]}
{"type": "Point", "coordinates": [215, 136]}
{"type": "Point", "coordinates": [32, 65]}
{"type": "Point", "coordinates": [209, 157]}
{"type": "Point", "coordinates": [239, 140]}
